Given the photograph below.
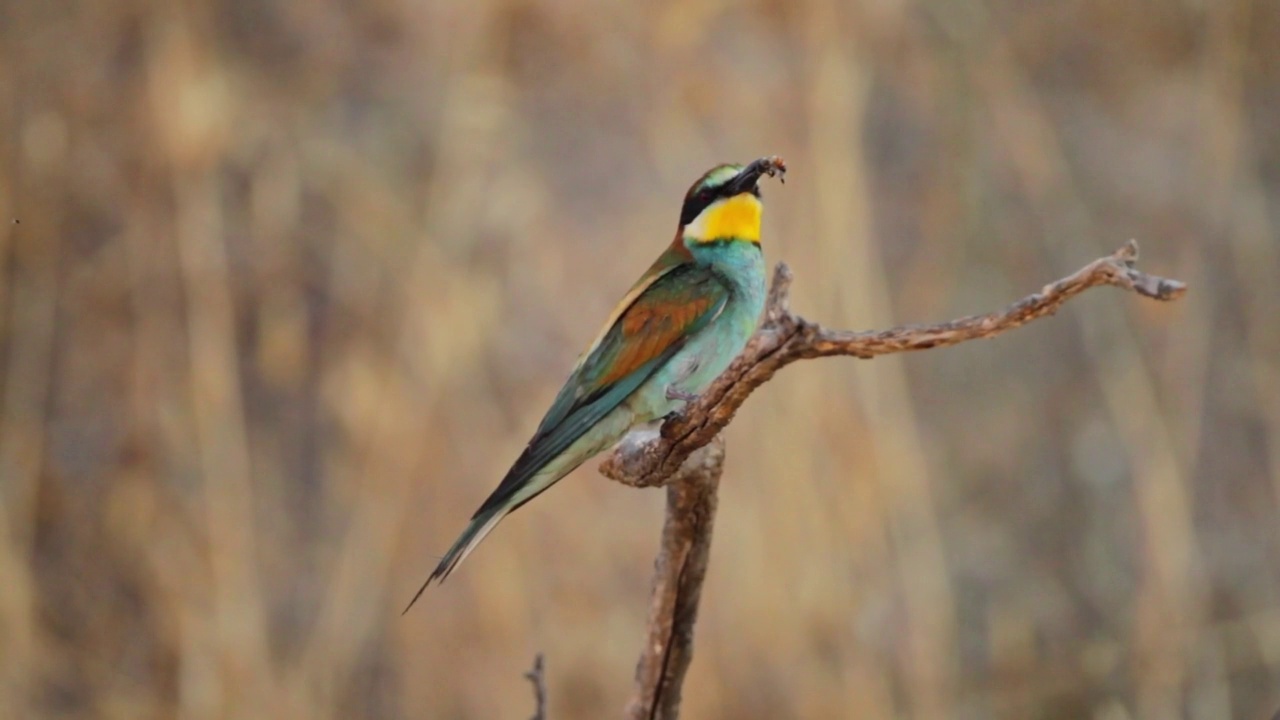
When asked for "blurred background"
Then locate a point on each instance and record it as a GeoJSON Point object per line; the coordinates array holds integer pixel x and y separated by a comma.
{"type": "Point", "coordinates": [286, 286]}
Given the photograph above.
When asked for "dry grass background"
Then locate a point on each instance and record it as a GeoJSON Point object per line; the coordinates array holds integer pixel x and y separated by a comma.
{"type": "Point", "coordinates": [294, 281]}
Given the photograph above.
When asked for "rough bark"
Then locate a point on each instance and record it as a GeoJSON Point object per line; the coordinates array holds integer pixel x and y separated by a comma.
{"type": "Point", "coordinates": [687, 458]}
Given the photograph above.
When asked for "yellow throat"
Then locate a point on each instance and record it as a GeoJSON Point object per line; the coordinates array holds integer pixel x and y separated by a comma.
{"type": "Point", "coordinates": [736, 218]}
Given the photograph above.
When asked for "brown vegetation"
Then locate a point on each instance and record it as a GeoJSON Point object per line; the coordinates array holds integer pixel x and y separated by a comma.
{"type": "Point", "coordinates": [294, 282]}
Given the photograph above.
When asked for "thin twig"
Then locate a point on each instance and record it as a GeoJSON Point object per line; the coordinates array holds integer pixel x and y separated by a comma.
{"type": "Point", "coordinates": [537, 676]}
{"type": "Point", "coordinates": [684, 458]}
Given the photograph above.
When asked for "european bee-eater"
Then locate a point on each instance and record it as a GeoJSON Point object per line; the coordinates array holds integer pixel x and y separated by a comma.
{"type": "Point", "coordinates": [674, 332]}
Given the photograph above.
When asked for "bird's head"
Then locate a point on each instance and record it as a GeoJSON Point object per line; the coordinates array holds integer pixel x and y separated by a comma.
{"type": "Point", "coordinates": [724, 204]}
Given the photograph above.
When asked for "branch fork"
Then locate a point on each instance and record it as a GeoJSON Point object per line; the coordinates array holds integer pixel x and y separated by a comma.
{"type": "Point", "coordinates": [687, 455]}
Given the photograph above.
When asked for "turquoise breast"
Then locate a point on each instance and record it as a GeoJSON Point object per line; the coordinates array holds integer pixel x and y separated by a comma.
{"type": "Point", "coordinates": [740, 266]}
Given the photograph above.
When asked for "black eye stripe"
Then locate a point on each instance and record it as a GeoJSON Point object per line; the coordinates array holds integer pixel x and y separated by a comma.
{"type": "Point", "coordinates": [700, 200]}
{"type": "Point", "coordinates": [695, 204]}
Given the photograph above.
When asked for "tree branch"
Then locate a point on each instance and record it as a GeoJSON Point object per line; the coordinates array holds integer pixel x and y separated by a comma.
{"type": "Point", "coordinates": [677, 584]}
{"type": "Point", "coordinates": [784, 338]}
{"type": "Point", "coordinates": [537, 676]}
{"type": "Point", "coordinates": [681, 458]}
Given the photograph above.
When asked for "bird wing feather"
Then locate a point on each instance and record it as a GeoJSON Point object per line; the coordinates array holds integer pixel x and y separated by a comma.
{"type": "Point", "coordinates": [666, 308]}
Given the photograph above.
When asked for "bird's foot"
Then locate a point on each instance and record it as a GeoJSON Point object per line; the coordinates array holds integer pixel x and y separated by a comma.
{"type": "Point", "coordinates": [674, 393]}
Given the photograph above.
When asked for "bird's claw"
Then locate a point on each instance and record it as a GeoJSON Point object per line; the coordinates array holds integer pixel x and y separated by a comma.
{"type": "Point", "coordinates": [678, 394]}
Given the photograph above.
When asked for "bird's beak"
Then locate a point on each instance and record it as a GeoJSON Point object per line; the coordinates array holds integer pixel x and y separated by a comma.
{"type": "Point", "coordinates": [750, 175]}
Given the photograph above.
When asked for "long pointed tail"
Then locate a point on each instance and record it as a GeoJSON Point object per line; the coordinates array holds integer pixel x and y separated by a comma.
{"type": "Point", "coordinates": [480, 525]}
{"type": "Point", "coordinates": [529, 477]}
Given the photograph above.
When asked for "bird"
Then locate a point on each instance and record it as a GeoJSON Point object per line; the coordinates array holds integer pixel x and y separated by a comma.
{"type": "Point", "coordinates": [672, 334]}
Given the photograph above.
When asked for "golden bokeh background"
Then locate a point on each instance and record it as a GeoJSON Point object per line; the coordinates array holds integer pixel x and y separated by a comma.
{"type": "Point", "coordinates": [286, 285]}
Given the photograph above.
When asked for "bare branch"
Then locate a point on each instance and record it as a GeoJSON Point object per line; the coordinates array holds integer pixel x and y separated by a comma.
{"type": "Point", "coordinates": [537, 676]}
{"type": "Point", "coordinates": [687, 455]}
{"type": "Point", "coordinates": [784, 338]}
{"type": "Point", "coordinates": [677, 584]}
